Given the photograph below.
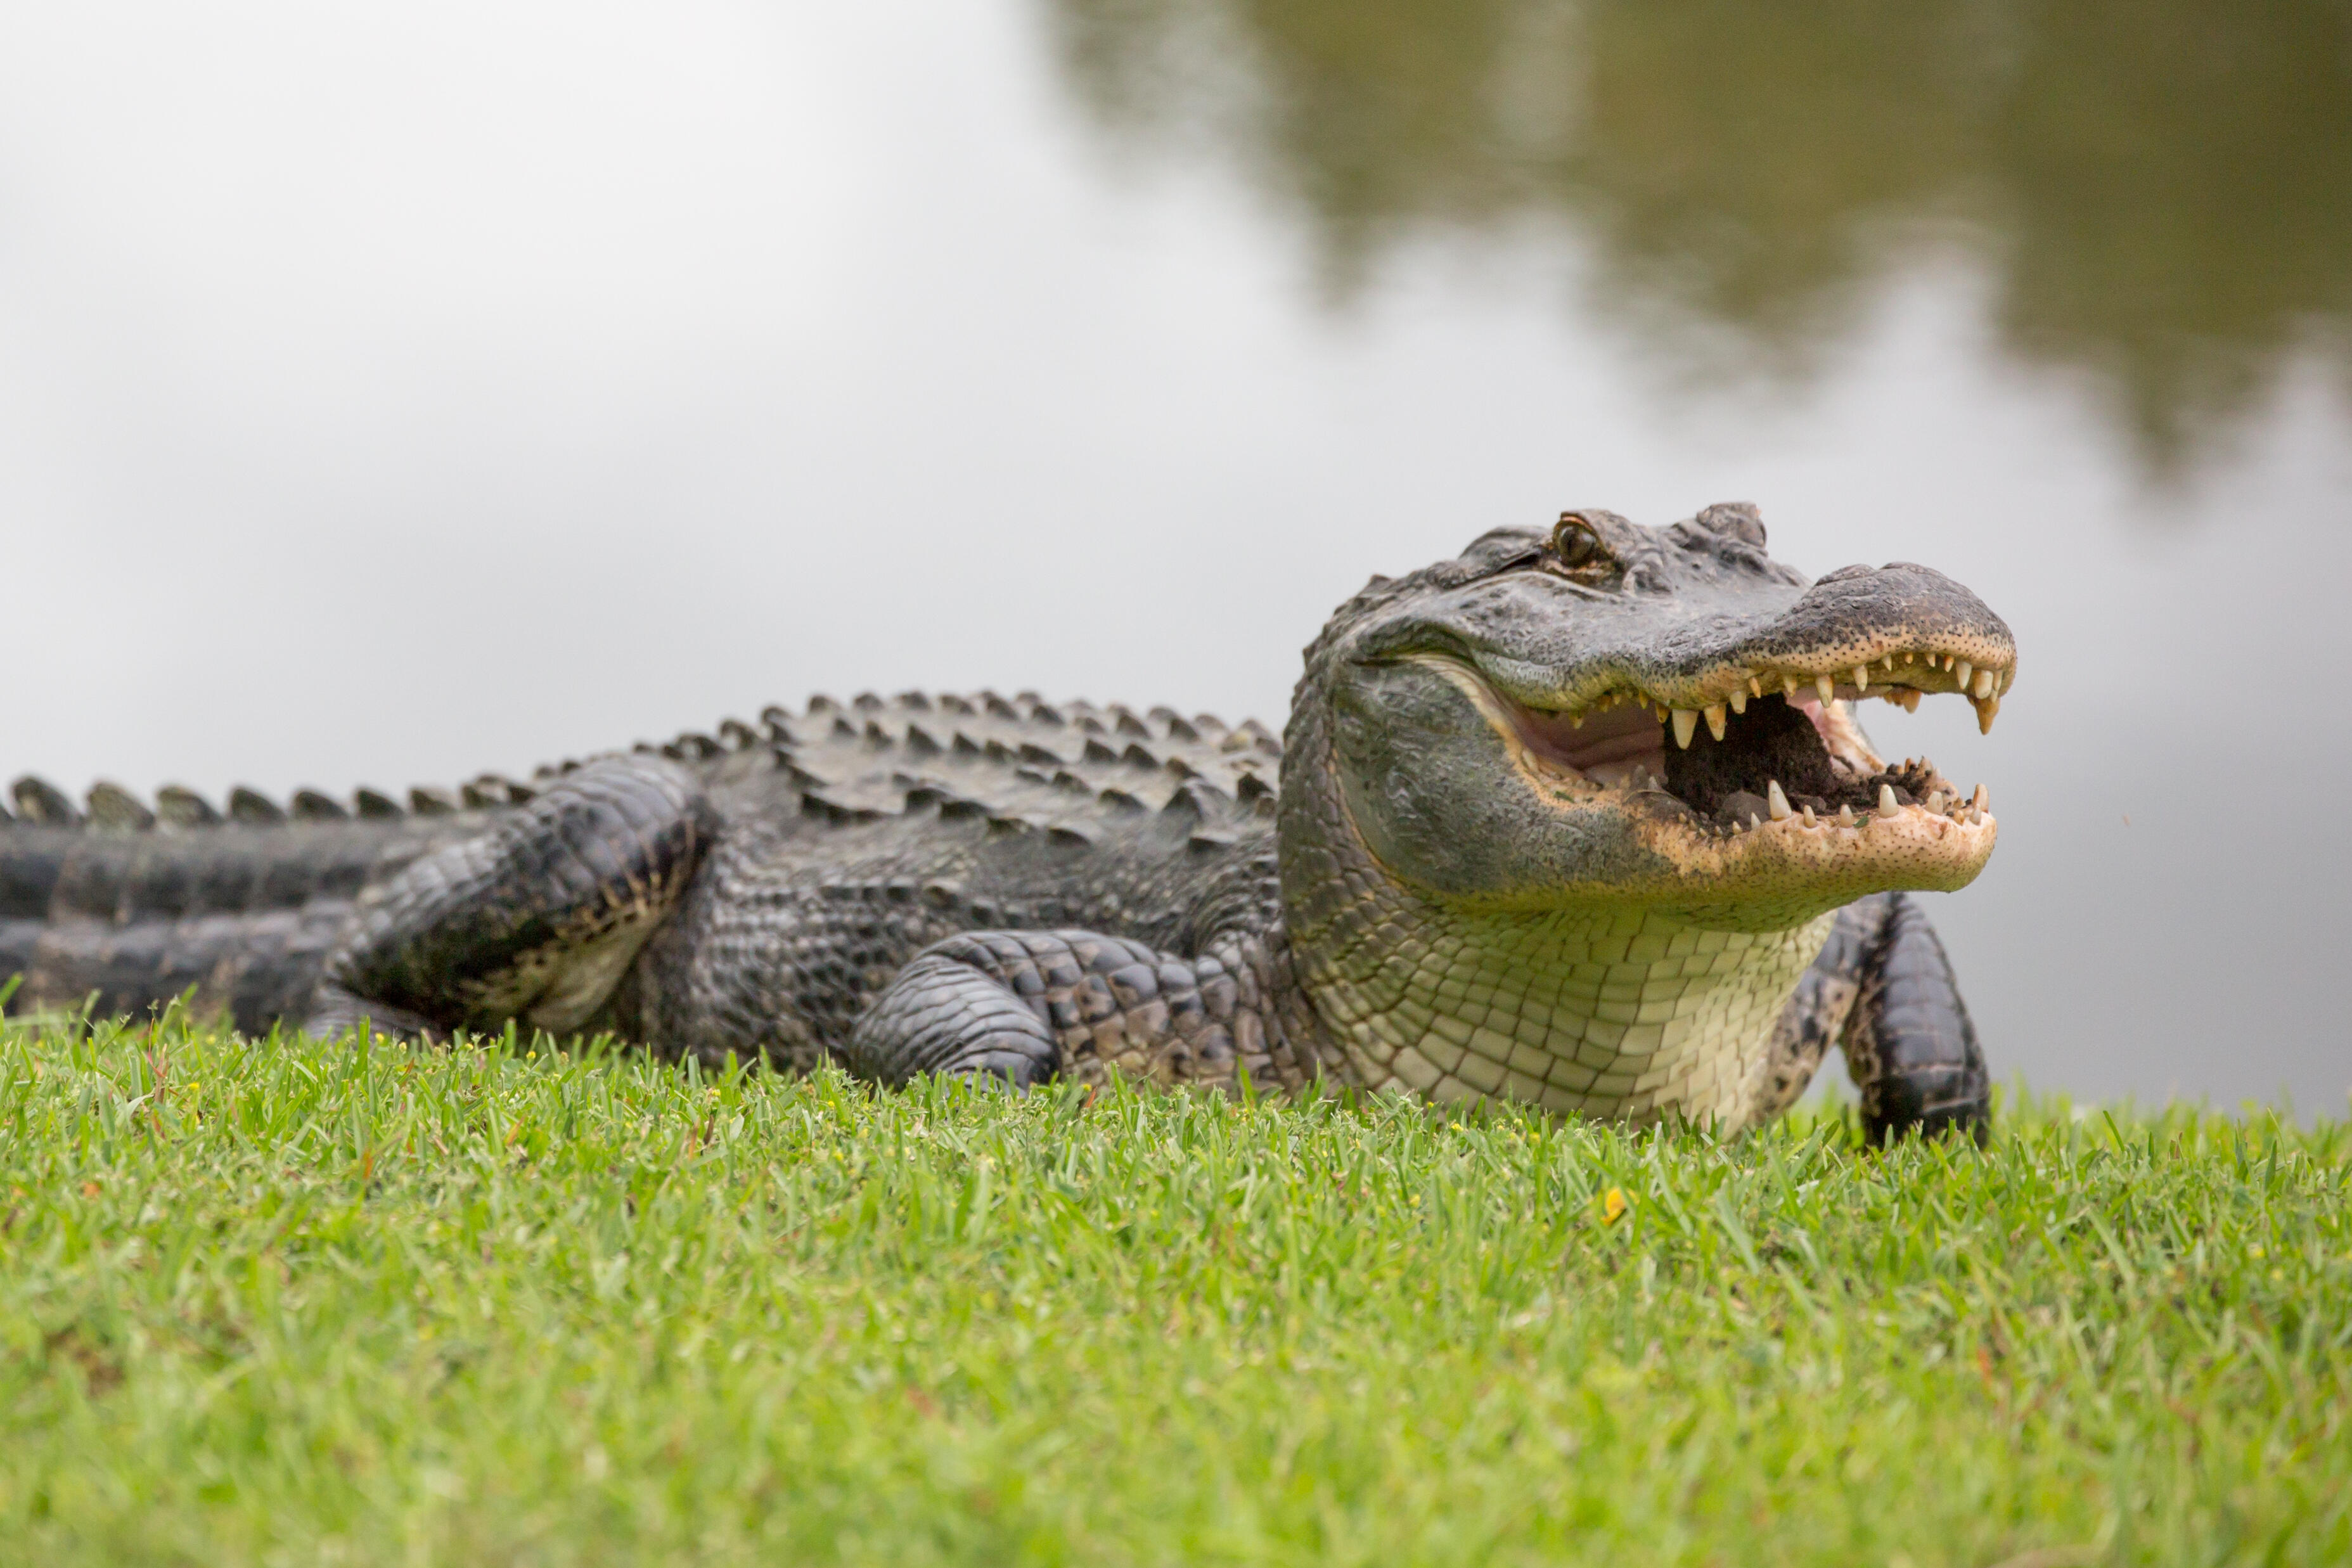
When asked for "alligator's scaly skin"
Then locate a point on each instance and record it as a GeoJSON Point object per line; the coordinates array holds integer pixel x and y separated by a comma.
{"type": "Point", "coordinates": [1427, 886]}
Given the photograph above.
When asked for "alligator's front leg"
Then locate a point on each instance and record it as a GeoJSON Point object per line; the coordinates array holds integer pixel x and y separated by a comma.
{"type": "Point", "coordinates": [1884, 991]}
{"type": "Point", "coordinates": [533, 921]}
{"type": "Point", "coordinates": [1910, 1046]}
{"type": "Point", "coordinates": [1028, 1006]}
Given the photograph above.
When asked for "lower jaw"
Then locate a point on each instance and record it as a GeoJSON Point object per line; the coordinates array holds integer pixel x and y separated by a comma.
{"type": "Point", "coordinates": [1776, 874]}
{"type": "Point", "coordinates": [1641, 852]}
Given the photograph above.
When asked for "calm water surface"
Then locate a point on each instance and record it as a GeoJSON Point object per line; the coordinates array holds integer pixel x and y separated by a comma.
{"type": "Point", "coordinates": [398, 393]}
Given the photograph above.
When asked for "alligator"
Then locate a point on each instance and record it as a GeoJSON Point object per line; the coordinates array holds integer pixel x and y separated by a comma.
{"type": "Point", "coordinates": [1582, 818]}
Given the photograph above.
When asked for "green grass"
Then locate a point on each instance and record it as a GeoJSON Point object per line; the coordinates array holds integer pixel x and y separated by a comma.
{"type": "Point", "coordinates": [302, 1302]}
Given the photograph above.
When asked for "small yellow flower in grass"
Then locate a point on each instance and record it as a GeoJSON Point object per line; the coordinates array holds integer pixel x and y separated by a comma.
{"type": "Point", "coordinates": [1613, 1205]}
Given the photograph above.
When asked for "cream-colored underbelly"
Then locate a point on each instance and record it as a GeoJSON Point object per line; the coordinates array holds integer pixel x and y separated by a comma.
{"type": "Point", "coordinates": [1631, 1015]}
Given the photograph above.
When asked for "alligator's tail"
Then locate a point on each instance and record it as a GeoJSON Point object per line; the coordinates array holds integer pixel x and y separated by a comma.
{"type": "Point", "coordinates": [132, 906]}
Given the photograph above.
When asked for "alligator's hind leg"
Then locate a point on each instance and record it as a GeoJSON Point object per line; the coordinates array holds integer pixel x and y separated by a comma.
{"type": "Point", "coordinates": [1883, 989]}
{"type": "Point", "coordinates": [533, 921]}
{"type": "Point", "coordinates": [1026, 1007]}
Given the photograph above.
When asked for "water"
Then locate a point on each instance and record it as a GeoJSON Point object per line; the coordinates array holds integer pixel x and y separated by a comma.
{"type": "Point", "coordinates": [390, 394]}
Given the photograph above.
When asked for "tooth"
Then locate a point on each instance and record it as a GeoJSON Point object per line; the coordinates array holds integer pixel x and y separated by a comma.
{"type": "Point", "coordinates": [1982, 799]}
{"type": "Point", "coordinates": [1862, 676]}
{"type": "Point", "coordinates": [1985, 712]}
{"type": "Point", "coordinates": [1754, 687]}
{"type": "Point", "coordinates": [1886, 806]}
{"type": "Point", "coordinates": [1809, 816]}
{"type": "Point", "coordinates": [1827, 686]}
{"type": "Point", "coordinates": [1984, 683]}
{"type": "Point", "coordinates": [1576, 720]}
{"type": "Point", "coordinates": [1787, 686]}
{"type": "Point", "coordinates": [1936, 802]}
{"type": "Point", "coordinates": [1960, 673]}
{"type": "Point", "coordinates": [1739, 700]}
{"type": "Point", "coordinates": [1685, 724]}
{"type": "Point", "coordinates": [1910, 701]}
{"type": "Point", "coordinates": [1714, 715]}
{"type": "Point", "coordinates": [1907, 658]}
{"type": "Point", "coordinates": [1774, 802]}
{"type": "Point", "coordinates": [1845, 817]}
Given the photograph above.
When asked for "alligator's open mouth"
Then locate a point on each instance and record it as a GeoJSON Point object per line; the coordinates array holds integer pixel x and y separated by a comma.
{"type": "Point", "coordinates": [1738, 750]}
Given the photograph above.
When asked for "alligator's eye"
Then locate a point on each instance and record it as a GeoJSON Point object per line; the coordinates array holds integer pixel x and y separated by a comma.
{"type": "Point", "coordinates": [1576, 543]}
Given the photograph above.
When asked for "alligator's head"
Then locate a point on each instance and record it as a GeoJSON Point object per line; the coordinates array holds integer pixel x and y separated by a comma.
{"type": "Point", "coordinates": [1612, 714]}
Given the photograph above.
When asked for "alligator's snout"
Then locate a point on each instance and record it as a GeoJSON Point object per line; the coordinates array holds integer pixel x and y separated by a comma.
{"type": "Point", "coordinates": [1860, 614]}
{"type": "Point", "coordinates": [1897, 631]}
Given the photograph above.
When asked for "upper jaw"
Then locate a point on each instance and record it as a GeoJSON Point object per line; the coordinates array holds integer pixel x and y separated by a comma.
{"type": "Point", "coordinates": [1709, 642]}
{"type": "Point", "coordinates": [1897, 632]}
{"type": "Point", "coordinates": [1706, 695]}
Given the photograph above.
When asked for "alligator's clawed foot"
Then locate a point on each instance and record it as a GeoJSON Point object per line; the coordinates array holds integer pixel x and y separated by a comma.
{"type": "Point", "coordinates": [946, 1013]}
{"type": "Point", "coordinates": [335, 1011]}
{"type": "Point", "coordinates": [1882, 990]}
{"type": "Point", "coordinates": [1021, 1006]}
{"type": "Point", "coordinates": [1912, 1047]}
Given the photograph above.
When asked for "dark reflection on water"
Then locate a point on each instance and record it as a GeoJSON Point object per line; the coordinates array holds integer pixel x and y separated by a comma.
{"type": "Point", "coordinates": [2161, 189]}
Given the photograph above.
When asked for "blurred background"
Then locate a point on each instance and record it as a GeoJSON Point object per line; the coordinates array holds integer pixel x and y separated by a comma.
{"type": "Point", "coordinates": [393, 393]}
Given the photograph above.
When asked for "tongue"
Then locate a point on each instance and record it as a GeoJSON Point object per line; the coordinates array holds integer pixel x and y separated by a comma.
{"type": "Point", "coordinates": [1770, 741]}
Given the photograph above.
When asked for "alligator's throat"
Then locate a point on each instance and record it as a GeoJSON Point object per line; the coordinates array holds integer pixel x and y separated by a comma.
{"type": "Point", "coordinates": [1628, 1013]}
